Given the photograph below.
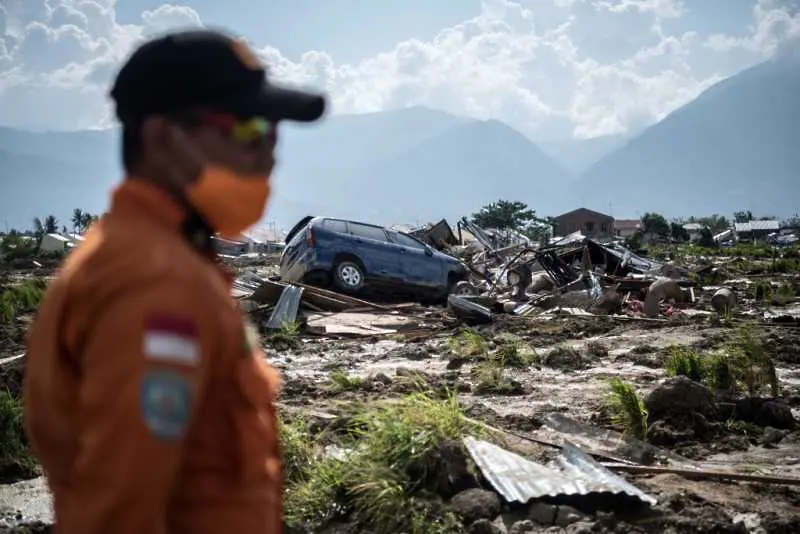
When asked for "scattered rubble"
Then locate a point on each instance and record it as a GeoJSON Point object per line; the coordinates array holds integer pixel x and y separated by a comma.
{"type": "Point", "coordinates": [575, 387]}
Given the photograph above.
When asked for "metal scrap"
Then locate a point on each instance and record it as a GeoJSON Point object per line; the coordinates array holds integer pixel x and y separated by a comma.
{"type": "Point", "coordinates": [520, 480]}
{"type": "Point", "coordinates": [468, 310]}
{"type": "Point", "coordinates": [286, 308]}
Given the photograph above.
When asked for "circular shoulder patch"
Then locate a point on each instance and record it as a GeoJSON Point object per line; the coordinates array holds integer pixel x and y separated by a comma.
{"type": "Point", "coordinates": [166, 403]}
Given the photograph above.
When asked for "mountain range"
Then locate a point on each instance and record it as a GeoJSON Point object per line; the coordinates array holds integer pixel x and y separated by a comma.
{"type": "Point", "coordinates": [732, 148]}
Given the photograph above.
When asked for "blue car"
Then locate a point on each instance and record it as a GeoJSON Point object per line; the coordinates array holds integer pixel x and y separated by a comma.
{"type": "Point", "coordinates": [354, 256]}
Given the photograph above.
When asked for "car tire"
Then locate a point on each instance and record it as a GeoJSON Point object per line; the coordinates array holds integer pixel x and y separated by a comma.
{"type": "Point", "coordinates": [464, 288]}
{"type": "Point", "coordinates": [348, 276]}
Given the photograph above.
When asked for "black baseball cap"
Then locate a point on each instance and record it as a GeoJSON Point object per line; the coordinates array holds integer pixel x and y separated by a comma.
{"type": "Point", "coordinates": [205, 68]}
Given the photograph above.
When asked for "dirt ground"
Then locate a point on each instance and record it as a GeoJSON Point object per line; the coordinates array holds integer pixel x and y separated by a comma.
{"type": "Point", "coordinates": [576, 357]}
{"type": "Point", "coordinates": [604, 347]}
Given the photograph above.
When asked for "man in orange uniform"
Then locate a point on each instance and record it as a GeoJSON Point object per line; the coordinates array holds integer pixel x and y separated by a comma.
{"type": "Point", "coordinates": [147, 402]}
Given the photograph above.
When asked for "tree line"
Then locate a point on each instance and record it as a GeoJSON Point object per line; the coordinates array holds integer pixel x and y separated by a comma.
{"type": "Point", "coordinates": [15, 244]}
{"type": "Point", "coordinates": [518, 216]}
{"type": "Point", "coordinates": [79, 223]}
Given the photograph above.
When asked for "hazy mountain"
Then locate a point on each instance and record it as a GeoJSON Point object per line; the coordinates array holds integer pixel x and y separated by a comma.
{"type": "Point", "coordinates": [734, 147]}
{"type": "Point", "coordinates": [577, 155]}
{"type": "Point", "coordinates": [50, 178]}
{"type": "Point", "coordinates": [447, 175]}
{"type": "Point", "coordinates": [397, 166]}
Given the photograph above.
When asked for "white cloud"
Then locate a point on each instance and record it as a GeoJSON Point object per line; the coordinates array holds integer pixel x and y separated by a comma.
{"type": "Point", "coordinates": [660, 8]}
{"type": "Point", "coordinates": [548, 67]}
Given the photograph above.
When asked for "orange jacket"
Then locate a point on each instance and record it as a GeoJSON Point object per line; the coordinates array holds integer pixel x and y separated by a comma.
{"type": "Point", "coordinates": [147, 402]}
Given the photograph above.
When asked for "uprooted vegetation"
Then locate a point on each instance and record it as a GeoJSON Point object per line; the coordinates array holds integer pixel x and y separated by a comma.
{"type": "Point", "coordinates": [707, 397]}
{"type": "Point", "coordinates": [490, 371]}
{"type": "Point", "coordinates": [744, 364]}
{"type": "Point", "coordinates": [384, 470]}
{"type": "Point", "coordinates": [16, 461]}
{"type": "Point", "coordinates": [19, 299]}
{"type": "Point", "coordinates": [627, 408]}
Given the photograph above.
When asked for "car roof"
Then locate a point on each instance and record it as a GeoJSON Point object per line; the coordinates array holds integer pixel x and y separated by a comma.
{"type": "Point", "coordinates": [354, 222]}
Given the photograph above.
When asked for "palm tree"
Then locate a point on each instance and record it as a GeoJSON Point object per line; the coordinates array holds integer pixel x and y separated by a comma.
{"type": "Point", "coordinates": [86, 221]}
{"type": "Point", "coordinates": [77, 219]}
{"type": "Point", "coordinates": [50, 224]}
{"type": "Point", "coordinates": [38, 232]}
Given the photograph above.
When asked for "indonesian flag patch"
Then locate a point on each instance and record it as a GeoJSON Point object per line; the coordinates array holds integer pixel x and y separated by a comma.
{"type": "Point", "coordinates": [171, 339]}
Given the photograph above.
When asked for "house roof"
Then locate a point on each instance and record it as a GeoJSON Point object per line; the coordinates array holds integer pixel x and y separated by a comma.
{"type": "Point", "coordinates": [585, 211]}
{"type": "Point", "coordinates": [266, 234]}
{"type": "Point", "coordinates": [227, 242]}
{"type": "Point", "coordinates": [757, 226]}
{"type": "Point", "coordinates": [693, 227]}
{"type": "Point", "coordinates": [59, 237]}
{"type": "Point", "coordinates": [627, 224]}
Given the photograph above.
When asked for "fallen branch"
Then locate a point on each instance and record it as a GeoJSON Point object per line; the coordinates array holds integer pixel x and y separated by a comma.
{"type": "Point", "coordinates": [702, 474]}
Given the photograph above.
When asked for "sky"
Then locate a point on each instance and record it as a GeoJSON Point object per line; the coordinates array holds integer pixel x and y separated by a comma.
{"type": "Point", "coordinates": [553, 69]}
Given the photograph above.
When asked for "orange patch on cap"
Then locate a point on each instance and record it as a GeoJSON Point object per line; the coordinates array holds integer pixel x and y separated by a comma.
{"type": "Point", "coordinates": [246, 56]}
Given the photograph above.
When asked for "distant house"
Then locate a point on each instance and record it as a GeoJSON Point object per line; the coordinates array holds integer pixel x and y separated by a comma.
{"type": "Point", "coordinates": [693, 229]}
{"type": "Point", "coordinates": [755, 230]}
{"type": "Point", "coordinates": [229, 247]}
{"type": "Point", "coordinates": [625, 228]}
{"type": "Point", "coordinates": [54, 243]}
{"type": "Point", "coordinates": [265, 239]}
{"type": "Point", "coordinates": [590, 223]}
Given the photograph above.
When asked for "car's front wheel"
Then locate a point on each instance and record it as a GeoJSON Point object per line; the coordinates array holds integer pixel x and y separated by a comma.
{"type": "Point", "coordinates": [348, 276]}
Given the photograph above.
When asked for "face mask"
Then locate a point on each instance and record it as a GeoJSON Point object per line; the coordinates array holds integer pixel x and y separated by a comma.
{"type": "Point", "coordinates": [230, 202]}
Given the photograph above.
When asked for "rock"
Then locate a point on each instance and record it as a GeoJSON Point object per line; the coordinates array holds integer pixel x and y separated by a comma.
{"type": "Point", "coordinates": [484, 526]}
{"type": "Point", "coordinates": [521, 527]}
{"type": "Point", "coordinates": [723, 301]}
{"type": "Point", "coordinates": [680, 396]}
{"type": "Point", "coordinates": [751, 522]}
{"type": "Point", "coordinates": [417, 353]}
{"type": "Point", "coordinates": [566, 515]}
{"type": "Point", "coordinates": [661, 434]}
{"type": "Point", "coordinates": [766, 412]}
{"type": "Point", "coordinates": [453, 474]}
{"type": "Point", "coordinates": [564, 358]}
{"type": "Point", "coordinates": [581, 527]}
{"type": "Point", "coordinates": [772, 436]}
{"type": "Point", "coordinates": [776, 413]}
{"type": "Point", "coordinates": [543, 513]}
{"type": "Point", "coordinates": [662, 289]}
{"type": "Point", "coordinates": [475, 503]}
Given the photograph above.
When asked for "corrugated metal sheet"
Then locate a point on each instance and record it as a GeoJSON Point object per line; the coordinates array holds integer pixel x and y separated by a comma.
{"type": "Point", "coordinates": [757, 226]}
{"type": "Point", "coordinates": [286, 308]}
{"type": "Point", "coordinates": [518, 479]}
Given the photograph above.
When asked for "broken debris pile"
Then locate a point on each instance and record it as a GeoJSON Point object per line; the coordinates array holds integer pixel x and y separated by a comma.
{"type": "Point", "coordinates": [509, 274]}
{"type": "Point", "coordinates": [577, 274]}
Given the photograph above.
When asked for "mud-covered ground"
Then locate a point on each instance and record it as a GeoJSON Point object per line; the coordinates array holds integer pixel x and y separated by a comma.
{"type": "Point", "coordinates": [575, 357]}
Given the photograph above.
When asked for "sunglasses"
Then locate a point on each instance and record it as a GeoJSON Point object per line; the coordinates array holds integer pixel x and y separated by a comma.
{"type": "Point", "coordinates": [248, 131]}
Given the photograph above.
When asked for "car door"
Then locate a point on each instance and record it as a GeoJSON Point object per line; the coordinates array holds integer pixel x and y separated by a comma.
{"type": "Point", "coordinates": [381, 257]}
{"type": "Point", "coordinates": [419, 266]}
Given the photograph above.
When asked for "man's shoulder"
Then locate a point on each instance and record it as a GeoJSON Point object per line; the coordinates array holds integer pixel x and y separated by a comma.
{"type": "Point", "coordinates": [114, 258]}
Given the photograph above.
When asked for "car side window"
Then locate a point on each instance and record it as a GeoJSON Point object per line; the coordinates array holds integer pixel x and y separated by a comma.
{"type": "Point", "coordinates": [368, 232]}
{"type": "Point", "coordinates": [406, 241]}
{"type": "Point", "coordinates": [332, 225]}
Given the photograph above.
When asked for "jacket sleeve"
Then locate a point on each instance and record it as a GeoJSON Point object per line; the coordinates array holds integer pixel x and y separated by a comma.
{"type": "Point", "coordinates": [143, 365]}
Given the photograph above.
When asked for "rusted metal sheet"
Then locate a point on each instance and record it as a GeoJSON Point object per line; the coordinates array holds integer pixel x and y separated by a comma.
{"type": "Point", "coordinates": [518, 479]}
